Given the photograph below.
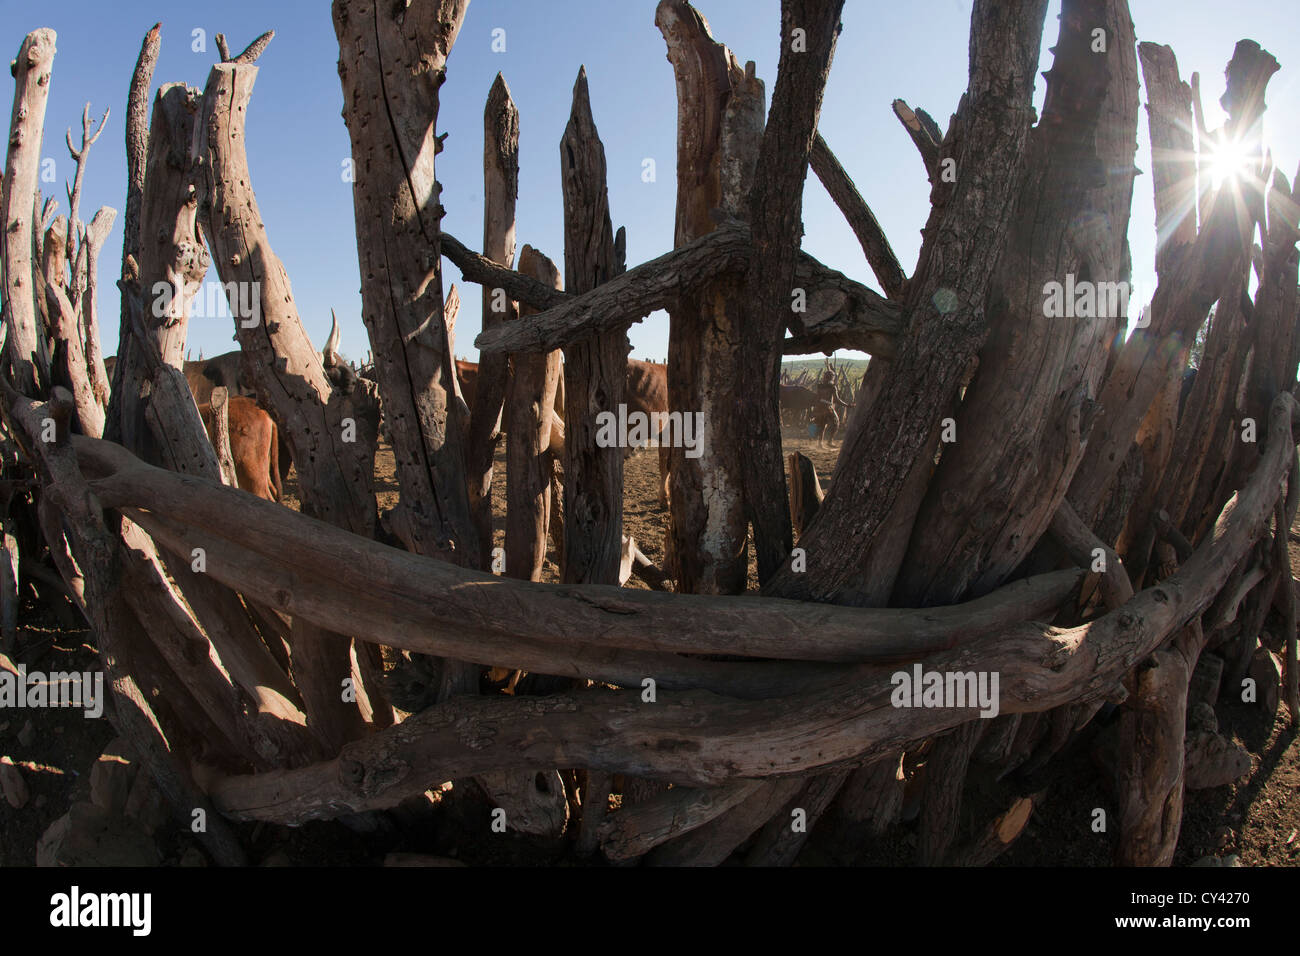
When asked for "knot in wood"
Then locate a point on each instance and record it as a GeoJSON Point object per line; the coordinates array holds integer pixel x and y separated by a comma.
{"type": "Point", "coordinates": [352, 773]}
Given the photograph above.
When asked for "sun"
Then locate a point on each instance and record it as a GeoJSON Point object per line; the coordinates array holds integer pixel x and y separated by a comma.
{"type": "Point", "coordinates": [1229, 161]}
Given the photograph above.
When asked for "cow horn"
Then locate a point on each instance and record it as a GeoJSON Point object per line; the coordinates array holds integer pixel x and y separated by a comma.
{"type": "Point", "coordinates": [330, 352]}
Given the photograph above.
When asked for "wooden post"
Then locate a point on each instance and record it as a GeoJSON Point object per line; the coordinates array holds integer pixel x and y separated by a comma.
{"type": "Point", "coordinates": [530, 398]}
{"type": "Point", "coordinates": [331, 434]}
{"type": "Point", "coordinates": [774, 205]}
{"type": "Point", "coordinates": [1149, 774]}
{"type": "Point", "coordinates": [392, 62]}
{"type": "Point", "coordinates": [888, 455]}
{"type": "Point", "coordinates": [996, 489]}
{"type": "Point", "coordinates": [221, 436]}
{"type": "Point", "coordinates": [500, 191]}
{"type": "Point", "coordinates": [595, 370]}
{"type": "Point", "coordinates": [25, 343]}
{"type": "Point", "coordinates": [719, 124]}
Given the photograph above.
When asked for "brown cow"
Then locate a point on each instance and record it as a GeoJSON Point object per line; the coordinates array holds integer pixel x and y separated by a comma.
{"type": "Point", "coordinates": [254, 444]}
{"type": "Point", "coordinates": [799, 402]}
{"type": "Point", "coordinates": [205, 375]}
{"type": "Point", "coordinates": [646, 392]}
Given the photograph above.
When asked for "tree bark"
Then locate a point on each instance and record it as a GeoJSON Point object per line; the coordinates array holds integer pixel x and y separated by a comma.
{"type": "Point", "coordinates": [719, 116]}
{"type": "Point", "coordinates": [391, 65]}
{"type": "Point", "coordinates": [595, 370]}
{"type": "Point", "coordinates": [775, 208]}
{"type": "Point", "coordinates": [26, 348]}
{"type": "Point", "coordinates": [887, 454]}
{"type": "Point", "coordinates": [1023, 421]}
{"type": "Point", "coordinates": [500, 192]}
{"type": "Point", "coordinates": [529, 403]}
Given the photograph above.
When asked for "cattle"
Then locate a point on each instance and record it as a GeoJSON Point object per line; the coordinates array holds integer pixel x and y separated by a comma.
{"type": "Point", "coordinates": [224, 370]}
{"type": "Point", "coordinates": [467, 372]}
{"type": "Point", "coordinates": [254, 445]}
{"type": "Point", "coordinates": [646, 392]}
{"type": "Point", "coordinates": [797, 403]}
{"type": "Point", "coordinates": [206, 374]}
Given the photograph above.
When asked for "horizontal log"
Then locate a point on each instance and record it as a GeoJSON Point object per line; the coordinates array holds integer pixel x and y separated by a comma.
{"type": "Point", "coordinates": [699, 739]}
{"type": "Point", "coordinates": [491, 275]}
{"type": "Point", "coordinates": [852, 315]}
{"type": "Point", "coordinates": [453, 605]}
{"type": "Point", "coordinates": [637, 830]}
{"type": "Point", "coordinates": [398, 625]}
{"type": "Point", "coordinates": [842, 314]}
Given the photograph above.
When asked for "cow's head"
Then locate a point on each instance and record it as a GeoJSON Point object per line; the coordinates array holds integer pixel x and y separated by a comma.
{"type": "Point", "coordinates": [341, 375]}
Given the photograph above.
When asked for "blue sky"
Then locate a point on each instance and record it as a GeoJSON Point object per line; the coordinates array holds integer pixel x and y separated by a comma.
{"type": "Point", "coordinates": [297, 141]}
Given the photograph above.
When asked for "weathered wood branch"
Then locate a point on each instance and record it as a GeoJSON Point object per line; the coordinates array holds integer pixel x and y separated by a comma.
{"type": "Point", "coordinates": [852, 316]}
{"type": "Point", "coordinates": [695, 738]}
{"type": "Point", "coordinates": [890, 449]}
{"type": "Point", "coordinates": [442, 595]}
{"type": "Point", "coordinates": [775, 207]}
{"type": "Point", "coordinates": [595, 368]}
{"type": "Point", "coordinates": [492, 276]}
{"type": "Point", "coordinates": [875, 245]}
{"type": "Point", "coordinates": [95, 234]}
{"type": "Point", "coordinates": [25, 342]}
{"type": "Point", "coordinates": [392, 63]}
{"type": "Point", "coordinates": [80, 156]}
{"type": "Point", "coordinates": [923, 132]}
{"type": "Point", "coordinates": [529, 463]}
{"type": "Point", "coordinates": [335, 463]}
{"type": "Point", "coordinates": [500, 193]}
{"type": "Point", "coordinates": [137, 150]}
{"type": "Point", "coordinates": [1083, 547]}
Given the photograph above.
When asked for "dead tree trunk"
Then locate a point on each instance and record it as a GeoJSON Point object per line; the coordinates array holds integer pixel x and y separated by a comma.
{"type": "Point", "coordinates": [886, 459]}
{"type": "Point", "coordinates": [809, 29]}
{"type": "Point", "coordinates": [999, 483]}
{"type": "Point", "coordinates": [595, 370]}
{"type": "Point", "coordinates": [332, 435]}
{"type": "Point", "coordinates": [719, 124]}
{"type": "Point", "coordinates": [500, 191]}
{"type": "Point", "coordinates": [529, 401]}
{"type": "Point", "coordinates": [391, 64]}
{"type": "Point", "coordinates": [26, 340]}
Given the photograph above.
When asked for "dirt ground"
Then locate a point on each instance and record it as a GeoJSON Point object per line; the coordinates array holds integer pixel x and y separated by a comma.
{"type": "Point", "coordinates": [1255, 819]}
